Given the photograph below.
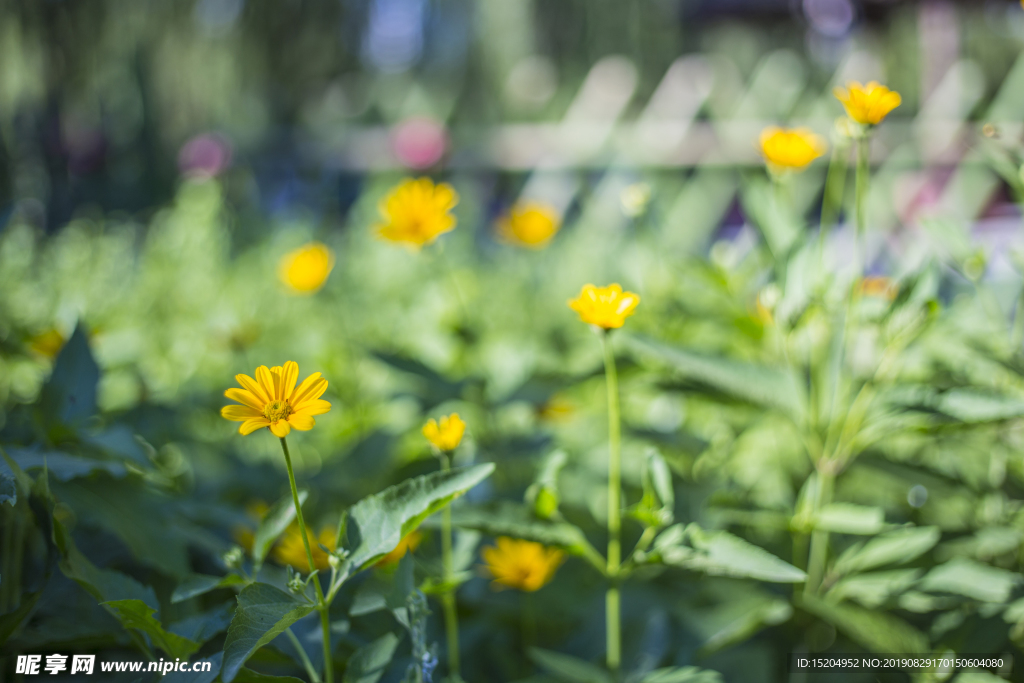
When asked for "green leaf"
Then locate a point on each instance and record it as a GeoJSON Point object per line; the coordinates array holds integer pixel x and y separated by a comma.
{"type": "Point", "coordinates": [719, 553]}
{"type": "Point", "coordinates": [507, 518]}
{"type": "Point", "coordinates": [263, 612]}
{"type": "Point", "coordinates": [758, 384]}
{"type": "Point", "coordinates": [10, 621]}
{"type": "Point", "coordinates": [205, 625]}
{"type": "Point", "coordinates": [249, 676]}
{"type": "Point", "coordinates": [569, 668]}
{"type": "Point", "coordinates": [878, 632]}
{"type": "Point", "coordinates": [69, 395]}
{"type": "Point", "coordinates": [138, 615]}
{"type": "Point", "coordinates": [368, 663]}
{"type": "Point", "coordinates": [105, 585]}
{"type": "Point", "coordinates": [971, 579]}
{"type": "Point", "coordinates": [894, 547]}
{"type": "Point", "coordinates": [682, 674]}
{"type": "Point", "coordinates": [847, 518]}
{"type": "Point", "coordinates": [874, 589]}
{"type": "Point", "coordinates": [199, 584]}
{"type": "Point", "coordinates": [377, 523]}
{"type": "Point", "coordinates": [64, 466]}
{"type": "Point", "coordinates": [273, 525]}
{"type": "Point", "coordinates": [972, 405]}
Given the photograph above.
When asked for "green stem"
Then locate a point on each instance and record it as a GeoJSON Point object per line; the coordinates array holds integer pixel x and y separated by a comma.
{"type": "Point", "coordinates": [451, 616]}
{"type": "Point", "coordinates": [819, 539]}
{"type": "Point", "coordinates": [863, 176]}
{"type": "Point", "coordinates": [835, 183]}
{"type": "Point", "coordinates": [306, 664]}
{"type": "Point", "coordinates": [325, 621]}
{"type": "Point", "coordinates": [528, 618]}
{"type": "Point", "coordinates": [612, 597]}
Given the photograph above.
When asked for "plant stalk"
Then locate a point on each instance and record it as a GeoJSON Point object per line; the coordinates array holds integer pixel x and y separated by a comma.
{"type": "Point", "coordinates": [613, 597]}
{"type": "Point", "coordinates": [835, 183]}
{"type": "Point", "coordinates": [321, 604]}
{"type": "Point", "coordinates": [451, 615]}
{"type": "Point", "coordinates": [861, 190]}
{"type": "Point", "coordinates": [819, 539]}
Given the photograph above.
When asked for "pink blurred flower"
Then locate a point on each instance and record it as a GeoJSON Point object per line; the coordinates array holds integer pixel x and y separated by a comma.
{"type": "Point", "coordinates": [204, 155]}
{"type": "Point", "coordinates": [419, 142]}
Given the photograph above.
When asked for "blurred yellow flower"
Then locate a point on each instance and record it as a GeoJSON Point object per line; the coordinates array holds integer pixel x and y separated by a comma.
{"type": "Point", "coordinates": [408, 544]}
{"type": "Point", "coordinates": [47, 343]}
{"type": "Point", "coordinates": [878, 286]}
{"type": "Point", "coordinates": [791, 149]}
{"type": "Point", "coordinates": [607, 307]}
{"type": "Point", "coordinates": [867, 104]}
{"type": "Point", "coordinates": [305, 269]}
{"type": "Point", "coordinates": [445, 434]}
{"type": "Point", "coordinates": [416, 212]}
{"type": "Point", "coordinates": [245, 535]}
{"type": "Point", "coordinates": [291, 551]}
{"type": "Point", "coordinates": [556, 409]}
{"type": "Point", "coordinates": [272, 400]}
{"type": "Point", "coordinates": [523, 565]}
{"type": "Point", "coordinates": [530, 224]}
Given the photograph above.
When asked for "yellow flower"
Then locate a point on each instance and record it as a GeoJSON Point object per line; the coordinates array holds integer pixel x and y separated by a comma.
{"type": "Point", "coordinates": [408, 544]}
{"type": "Point", "coordinates": [877, 286]}
{"type": "Point", "coordinates": [47, 343]}
{"type": "Point", "coordinates": [523, 565]}
{"type": "Point", "coordinates": [416, 212]}
{"type": "Point", "coordinates": [272, 400]}
{"type": "Point", "coordinates": [867, 104]}
{"type": "Point", "coordinates": [291, 551]}
{"type": "Point", "coordinates": [791, 149]}
{"type": "Point", "coordinates": [606, 307]}
{"type": "Point", "coordinates": [445, 434]}
{"type": "Point", "coordinates": [245, 535]}
{"type": "Point", "coordinates": [305, 269]}
{"type": "Point", "coordinates": [530, 224]}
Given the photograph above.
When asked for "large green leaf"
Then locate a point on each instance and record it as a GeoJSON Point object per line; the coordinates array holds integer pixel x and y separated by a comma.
{"type": "Point", "coordinates": [874, 589]}
{"type": "Point", "coordinates": [368, 663]}
{"type": "Point", "coordinates": [199, 584]}
{"type": "Point", "coordinates": [568, 668]}
{"type": "Point", "coordinates": [377, 523]}
{"type": "Point", "coordinates": [263, 612]}
{"type": "Point", "coordinates": [758, 384]}
{"type": "Point", "coordinates": [138, 615]}
{"type": "Point", "coordinates": [893, 547]}
{"type": "Point", "coordinates": [878, 632]}
{"type": "Point", "coordinates": [847, 518]}
{"type": "Point", "coordinates": [971, 579]}
{"type": "Point", "coordinates": [64, 466]}
{"type": "Point", "coordinates": [273, 525]}
{"type": "Point", "coordinates": [719, 553]}
{"type": "Point", "coordinates": [508, 518]}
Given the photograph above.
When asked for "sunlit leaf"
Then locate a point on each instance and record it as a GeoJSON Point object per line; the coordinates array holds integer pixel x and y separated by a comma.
{"type": "Point", "coordinates": [263, 612]}
{"type": "Point", "coordinates": [878, 632]}
{"type": "Point", "coordinates": [138, 615]}
{"type": "Point", "coordinates": [199, 584]}
{"type": "Point", "coordinates": [971, 579]}
{"type": "Point", "coordinates": [368, 663]}
{"type": "Point", "coordinates": [893, 547]}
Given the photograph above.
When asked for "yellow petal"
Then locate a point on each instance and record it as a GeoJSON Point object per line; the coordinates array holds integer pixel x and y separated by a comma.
{"type": "Point", "coordinates": [302, 421]}
{"type": "Point", "coordinates": [281, 428]}
{"type": "Point", "coordinates": [310, 390]}
{"type": "Point", "coordinates": [250, 426]}
{"type": "Point", "coordinates": [239, 413]}
{"type": "Point", "coordinates": [312, 408]}
{"type": "Point", "coordinates": [289, 375]}
{"type": "Point", "coordinates": [253, 387]}
{"type": "Point", "coordinates": [267, 381]}
{"type": "Point", "coordinates": [245, 397]}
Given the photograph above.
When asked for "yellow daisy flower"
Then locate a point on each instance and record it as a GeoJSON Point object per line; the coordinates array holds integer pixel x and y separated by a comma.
{"type": "Point", "coordinates": [607, 307]}
{"type": "Point", "coordinates": [291, 551]}
{"type": "Point", "coordinates": [867, 104]}
{"type": "Point", "coordinates": [878, 286]}
{"type": "Point", "coordinates": [408, 544]}
{"type": "Point", "coordinates": [530, 224]}
{"type": "Point", "coordinates": [272, 400]}
{"type": "Point", "coordinates": [523, 565]}
{"type": "Point", "coordinates": [305, 269]}
{"type": "Point", "coordinates": [416, 212]}
{"type": "Point", "coordinates": [445, 434]}
{"type": "Point", "coordinates": [791, 149]}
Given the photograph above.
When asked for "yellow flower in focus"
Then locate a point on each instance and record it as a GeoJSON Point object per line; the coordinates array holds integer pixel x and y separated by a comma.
{"type": "Point", "coordinates": [416, 212]}
{"type": "Point", "coordinates": [523, 565]}
{"type": "Point", "coordinates": [530, 224]}
{"type": "Point", "coordinates": [408, 544]}
{"type": "Point", "coordinates": [446, 433]}
{"type": "Point", "coordinates": [272, 400]}
{"type": "Point", "coordinates": [305, 269]}
{"type": "Point", "coordinates": [867, 104]}
{"type": "Point", "coordinates": [291, 551]}
{"type": "Point", "coordinates": [791, 149]}
{"type": "Point", "coordinates": [47, 343]}
{"type": "Point", "coordinates": [607, 307]}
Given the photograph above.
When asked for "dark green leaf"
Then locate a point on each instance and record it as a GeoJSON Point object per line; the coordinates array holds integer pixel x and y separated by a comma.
{"type": "Point", "coordinates": [196, 676]}
{"type": "Point", "coordinates": [69, 396]}
{"type": "Point", "coordinates": [249, 676]}
{"type": "Point", "coordinates": [64, 466]}
{"type": "Point", "coordinates": [376, 524]}
{"type": "Point", "coordinates": [878, 632]}
{"type": "Point", "coordinates": [367, 664]}
{"type": "Point", "coordinates": [263, 612]}
{"type": "Point", "coordinates": [273, 525]}
{"type": "Point", "coordinates": [138, 615]}
{"type": "Point", "coordinates": [507, 518]}
{"type": "Point", "coordinates": [8, 489]}
{"type": "Point", "coordinates": [10, 621]}
{"type": "Point", "coordinates": [198, 584]}
{"type": "Point", "coordinates": [569, 668]}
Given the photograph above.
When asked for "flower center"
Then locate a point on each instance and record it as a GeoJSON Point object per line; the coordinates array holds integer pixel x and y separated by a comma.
{"type": "Point", "coordinates": [277, 410]}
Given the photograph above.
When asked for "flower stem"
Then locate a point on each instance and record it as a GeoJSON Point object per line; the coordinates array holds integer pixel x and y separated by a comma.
{"type": "Point", "coordinates": [819, 539]}
{"type": "Point", "coordinates": [612, 597]}
{"type": "Point", "coordinates": [862, 177]}
{"type": "Point", "coordinates": [835, 183]}
{"type": "Point", "coordinates": [306, 664]}
{"type": "Point", "coordinates": [321, 604]}
{"type": "Point", "coordinates": [451, 616]}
